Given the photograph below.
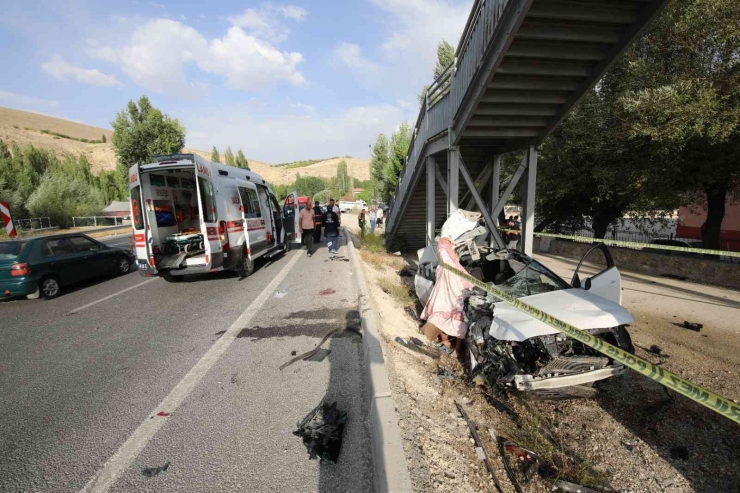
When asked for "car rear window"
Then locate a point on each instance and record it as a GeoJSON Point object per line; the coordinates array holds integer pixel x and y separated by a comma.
{"type": "Point", "coordinates": [10, 250]}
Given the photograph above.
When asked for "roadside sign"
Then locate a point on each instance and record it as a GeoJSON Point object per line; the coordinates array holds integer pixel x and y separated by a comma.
{"type": "Point", "coordinates": [7, 219]}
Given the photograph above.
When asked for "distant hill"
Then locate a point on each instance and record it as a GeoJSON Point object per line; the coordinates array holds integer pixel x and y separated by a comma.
{"type": "Point", "coordinates": [23, 127]}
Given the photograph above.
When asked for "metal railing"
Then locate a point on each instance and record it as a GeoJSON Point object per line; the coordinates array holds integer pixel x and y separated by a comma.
{"type": "Point", "coordinates": [32, 223]}
{"type": "Point", "coordinates": [446, 93]}
{"type": "Point", "coordinates": [95, 221]}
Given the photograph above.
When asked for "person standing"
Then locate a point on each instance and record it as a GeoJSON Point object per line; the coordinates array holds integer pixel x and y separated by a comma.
{"type": "Point", "coordinates": [361, 223]}
{"type": "Point", "coordinates": [307, 228]}
{"type": "Point", "coordinates": [379, 218]}
{"type": "Point", "coordinates": [331, 228]}
{"type": "Point", "coordinates": [372, 216]}
{"type": "Point", "coordinates": [318, 215]}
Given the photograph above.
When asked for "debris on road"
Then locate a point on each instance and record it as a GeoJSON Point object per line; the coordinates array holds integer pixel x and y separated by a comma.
{"type": "Point", "coordinates": [327, 291]}
{"type": "Point", "coordinates": [319, 355]}
{"type": "Point", "coordinates": [163, 414]}
{"type": "Point", "coordinates": [293, 352]}
{"type": "Point", "coordinates": [479, 445]}
{"type": "Point", "coordinates": [679, 452]}
{"type": "Point", "coordinates": [567, 487]}
{"type": "Point", "coordinates": [655, 349]}
{"type": "Point", "coordinates": [281, 293]}
{"type": "Point", "coordinates": [309, 354]}
{"type": "Point", "coordinates": [150, 472]}
{"type": "Point", "coordinates": [411, 313]}
{"type": "Point", "coordinates": [446, 374]}
{"type": "Point", "coordinates": [322, 431]}
{"type": "Point", "coordinates": [675, 276]}
{"type": "Point", "coordinates": [692, 326]}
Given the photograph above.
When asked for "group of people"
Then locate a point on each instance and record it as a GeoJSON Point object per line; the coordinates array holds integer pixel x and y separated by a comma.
{"type": "Point", "coordinates": [510, 237]}
{"type": "Point", "coordinates": [313, 219]}
{"type": "Point", "coordinates": [375, 216]}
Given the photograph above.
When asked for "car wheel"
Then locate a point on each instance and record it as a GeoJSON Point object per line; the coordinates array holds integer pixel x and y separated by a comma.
{"type": "Point", "coordinates": [246, 265]}
{"type": "Point", "coordinates": [123, 266]}
{"type": "Point", "coordinates": [35, 295]}
{"type": "Point", "coordinates": [170, 278]}
{"type": "Point", "coordinates": [50, 288]}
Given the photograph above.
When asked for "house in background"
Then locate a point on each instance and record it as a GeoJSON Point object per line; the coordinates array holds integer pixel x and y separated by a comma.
{"type": "Point", "coordinates": [117, 209]}
{"type": "Point", "coordinates": [691, 219]}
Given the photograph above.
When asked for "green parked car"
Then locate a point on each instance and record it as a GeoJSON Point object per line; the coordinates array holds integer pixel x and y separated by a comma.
{"type": "Point", "coordinates": [44, 265]}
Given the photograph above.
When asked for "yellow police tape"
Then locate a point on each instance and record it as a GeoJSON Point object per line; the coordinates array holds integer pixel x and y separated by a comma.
{"type": "Point", "coordinates": [633, 244]}
{"type": "Point", "coordinates": [716, 403]}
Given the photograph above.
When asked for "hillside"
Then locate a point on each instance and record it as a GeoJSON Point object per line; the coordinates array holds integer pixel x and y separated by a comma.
{"type": "Point", "coordinates": [25, 128]}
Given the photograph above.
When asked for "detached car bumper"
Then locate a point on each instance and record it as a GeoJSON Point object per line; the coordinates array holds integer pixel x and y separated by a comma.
{"type": "Point", "coordinates": [17, 287]}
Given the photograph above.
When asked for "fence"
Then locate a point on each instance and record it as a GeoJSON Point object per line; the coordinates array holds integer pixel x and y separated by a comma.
{"type": "Point", "coordinates": [32, 223]}
{"type": "Point", "coordinates": [624, 235]}
{"type": "Point", "coordinates": [95, 221]}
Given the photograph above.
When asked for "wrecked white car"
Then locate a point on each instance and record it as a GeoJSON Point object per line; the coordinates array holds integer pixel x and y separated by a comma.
{"type": "Point", "coordinates": [511, 351]}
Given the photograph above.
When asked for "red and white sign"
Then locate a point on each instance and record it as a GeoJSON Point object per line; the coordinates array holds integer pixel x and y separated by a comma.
{"type": "Point", "coordinates": [7, 220]}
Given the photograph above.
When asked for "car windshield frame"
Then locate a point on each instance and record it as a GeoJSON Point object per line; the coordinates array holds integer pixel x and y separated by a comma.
{"type": "Point", "coordinates": [511, 285]}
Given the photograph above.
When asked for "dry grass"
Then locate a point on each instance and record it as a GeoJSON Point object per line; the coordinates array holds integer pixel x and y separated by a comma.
{"type": "Point", "coordinates": [397, 290]}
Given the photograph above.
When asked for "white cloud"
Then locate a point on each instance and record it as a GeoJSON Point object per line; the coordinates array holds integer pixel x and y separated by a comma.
{"type": "Point", "coordinates": [8, 98]}
{"type": "Point", "coordinates": [286, 138]}
{"type": "Point", "coordinates": [350, 55]}
{"type": "Point", "coordinates": [265, 22]}
{"type": "Point", "coordinates": [159, 50]}
{"type": "Point", "coordinates": [95, 50]}
{"type": "Point", "coordinates": [60, 69]}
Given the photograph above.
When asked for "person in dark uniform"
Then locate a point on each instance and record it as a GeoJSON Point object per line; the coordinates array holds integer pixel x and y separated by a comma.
{"type": "Point", "coordinates": [318, 215]}
{"type": "Point", "coordinates": [331, 228]}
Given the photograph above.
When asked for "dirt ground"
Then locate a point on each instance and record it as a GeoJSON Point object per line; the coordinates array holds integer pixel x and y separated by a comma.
{"type": "Point", "coordinates": [633, 437]}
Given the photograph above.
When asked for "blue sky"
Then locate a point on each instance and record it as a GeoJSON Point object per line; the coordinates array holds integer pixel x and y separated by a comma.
{"type": "Point", "coordinates": [282, 81]}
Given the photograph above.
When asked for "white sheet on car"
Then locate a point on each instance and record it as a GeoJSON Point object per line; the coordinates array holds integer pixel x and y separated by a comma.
{"type": "Point", "coordinates": [577, 307]}
{"type": "Point", "coordinates": [459, 223]}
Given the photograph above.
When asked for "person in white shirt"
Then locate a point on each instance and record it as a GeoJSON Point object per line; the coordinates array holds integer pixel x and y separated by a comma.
{"type": "Point", "coordinates": [379, 218]}
{"type": "Point", "coordinates": [372, 216]}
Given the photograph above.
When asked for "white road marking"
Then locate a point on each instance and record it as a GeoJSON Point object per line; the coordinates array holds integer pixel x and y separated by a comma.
{"type": "Point", "coordinates": [132, 447]}
{"type": "Point", "coordinates": [83, 307]}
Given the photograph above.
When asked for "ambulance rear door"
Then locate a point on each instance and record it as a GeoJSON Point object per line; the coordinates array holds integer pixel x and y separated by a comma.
{"type": "Point", "coordinates": [141, 232]}
{"type": "Point", "coordinates": [209, 226]}
{"type": "Point", "coordinates": [291, 219]}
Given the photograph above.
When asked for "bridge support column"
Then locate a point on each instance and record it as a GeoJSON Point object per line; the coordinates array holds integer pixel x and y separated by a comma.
{"type": "Point", "coordinates": [431, 189]}
{"type": "Point", "coordinates": [530, 185]}
{"type": "Point", "coordinates": [495, 190]}
{"type": "Point", "coordinates": [453, 179]}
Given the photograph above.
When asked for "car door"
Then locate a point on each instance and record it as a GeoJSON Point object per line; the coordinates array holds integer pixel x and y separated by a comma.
{"type": "Point", "coordinates": [209, 217]}
{"type": "Point", "coordinates": [277, 221]}
{"type": "Point", "coordinates": [63, 261]}
{"type": "Point", "coordinates": [607, 282]}
{"type": "Point", "coordinates": [96, 260]}
{"type": "Point", "coordinates": [291, 218]}
{"type": "Point", "coordinates": [264, 203]}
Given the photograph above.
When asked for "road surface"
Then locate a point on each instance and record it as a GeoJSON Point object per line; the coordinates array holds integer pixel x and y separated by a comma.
{"type": "Point", "coordinates": [83, 377]}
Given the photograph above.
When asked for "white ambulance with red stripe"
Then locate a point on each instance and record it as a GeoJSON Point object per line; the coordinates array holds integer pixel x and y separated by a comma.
{"type": "Point", "coordinates": [192, 216]}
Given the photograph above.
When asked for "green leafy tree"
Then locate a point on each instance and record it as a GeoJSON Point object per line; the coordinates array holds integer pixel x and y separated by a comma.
{"type": "Point", "coordinates": [399, 146]}
{"type": "Point", "coordinates": [141, 132]}
{"type": "Point", "coordinates": [215, 156]}
{"type": "Point", "coordinates": [688, 102]}
{"type": "Point", "coordinates": [60, 197]}
{"type": "Point", "coordinates": [343, 180]}
{"type": "Point", "coordinates": [103, 139]}
{"type": "Point", "coordinates": [379, 161]}
{"type": "Point", "coordinates": [229, 157]}
{"type": "Point", "coordinates": [445, 57]}
{"type": "Point", "coordinates": [241, 161]}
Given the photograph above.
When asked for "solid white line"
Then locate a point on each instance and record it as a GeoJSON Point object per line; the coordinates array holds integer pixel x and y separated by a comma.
{"type": "Point", "coordinates": [132, 447]}
{"type": "Point", "coordinates": [77, 310]}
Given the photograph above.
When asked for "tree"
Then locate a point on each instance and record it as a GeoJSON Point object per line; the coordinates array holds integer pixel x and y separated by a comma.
{"type": "Point", "coordinates": [399, 146]}
{"type": "Point", "coordinates": [229, 157]}
{"type": "Point", "coordinates": [141, 132]}
{"type": "Point", "coordinates": [103, 139]}
{"type": "Point", "coordinates": [241, 161]}
{"type": "Point", "coordinates": [688, 102]}
{"type": "Point", "coordinates": [343, 180]}
{"type": "Point", "coordinates": [61, 196]}
{"type": "Point", "coordinates": [445, 57]}
{"type": "Point", "coordinates": [215, 157]}
{"type": "Point", "coordinates": [378, 162]}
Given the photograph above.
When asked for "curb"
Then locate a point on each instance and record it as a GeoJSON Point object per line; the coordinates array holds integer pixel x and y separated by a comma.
{"type": "Point", "coordinates": [390, 471]}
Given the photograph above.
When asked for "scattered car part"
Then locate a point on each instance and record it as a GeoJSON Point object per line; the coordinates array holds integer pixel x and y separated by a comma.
{"type": "Point", "coordinates": [417, 346]}
{"type": "Point", "coordinates": [322, 431]}
{"type": "Point", "coordinates": [150, 472]}
{"type": "Point", "coordinates": [315, 350]}
{"type": "Point", "coordinates": [507, 467]}
{"type": "Point", "coordinates": [693, 326]}
{"type": "Point", "coordinates": [571, 487]}
{"type": "Point", "coordinates": [479, 445]}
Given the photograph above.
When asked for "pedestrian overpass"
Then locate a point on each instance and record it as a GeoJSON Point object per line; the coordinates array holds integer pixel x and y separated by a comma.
{"type": "Point", "coordinates": [520, 66]}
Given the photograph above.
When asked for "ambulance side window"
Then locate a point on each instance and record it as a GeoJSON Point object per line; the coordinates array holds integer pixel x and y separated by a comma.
{"type": "Point", "coordinates": [207, 200]}
{"type": "Point", "coordinates": [250, 202]}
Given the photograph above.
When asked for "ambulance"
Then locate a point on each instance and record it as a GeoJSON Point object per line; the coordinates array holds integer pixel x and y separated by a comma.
{"type": "Point", "coordinates": [192, 216]}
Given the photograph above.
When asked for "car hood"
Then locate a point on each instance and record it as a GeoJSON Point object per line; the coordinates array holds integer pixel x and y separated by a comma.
{"type": "Point", "coordinates": [577, 307]}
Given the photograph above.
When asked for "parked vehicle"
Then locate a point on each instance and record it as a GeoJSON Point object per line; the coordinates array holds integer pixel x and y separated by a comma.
{"type": "Point", "coordinates": [509, 349]}
{"type": "Point", "coordinates": [346, 207]}
{"type": "Point", "coordinates": [192, 216]}
{"type": "Point", "coordinates": [44, 265]}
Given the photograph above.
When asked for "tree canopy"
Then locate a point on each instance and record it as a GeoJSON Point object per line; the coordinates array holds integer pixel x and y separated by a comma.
{"type": "Point", "coordinates": [215, 156]}
{"type": "Point", "coordinates": [241, 161]}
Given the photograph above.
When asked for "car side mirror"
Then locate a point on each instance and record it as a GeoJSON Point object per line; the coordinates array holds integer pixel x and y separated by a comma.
{"type": "Point", "coordinates": [587, 284]}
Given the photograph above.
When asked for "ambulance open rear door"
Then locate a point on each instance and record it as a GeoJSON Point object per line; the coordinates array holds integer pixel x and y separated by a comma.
{"type": "Point", "coordinates": [291, 219]}
{"type": "Point", "coordinates": [141, 232]}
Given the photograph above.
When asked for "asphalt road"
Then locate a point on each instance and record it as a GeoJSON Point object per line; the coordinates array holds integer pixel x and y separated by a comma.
{"type": "Point", "coordinates": [84, 376]}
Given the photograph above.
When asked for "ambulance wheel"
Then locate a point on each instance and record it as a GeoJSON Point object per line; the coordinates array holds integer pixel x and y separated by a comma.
{"type": "Point", "coordinates": [170, 278]}
{"type": "Point", "coordinates": [245, 268]}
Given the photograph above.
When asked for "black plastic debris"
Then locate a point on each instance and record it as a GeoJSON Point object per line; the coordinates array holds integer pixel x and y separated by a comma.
{"type": "Point", "coordinates": [692, 326]}
{"type": "Point", "coordinates": [150, 472]}
{"type": "Point", "coordinates": [655, 349]}
{"type": "Point", "coordinates": [319, 355]}
{"type": "Point", "coordinates": [679, 452]}
{"type": "Point", "coordinates": [322, 431]}
{"type": "Point", "coordinates": [411, 313]}
{"type": "Point", "coordinates": [415, 345]}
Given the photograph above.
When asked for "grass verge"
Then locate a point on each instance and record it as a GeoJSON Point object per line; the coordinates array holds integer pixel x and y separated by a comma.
{"type": "Point", "coordinates": [397, 290]}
